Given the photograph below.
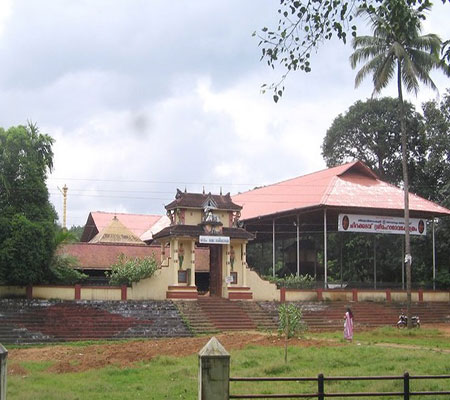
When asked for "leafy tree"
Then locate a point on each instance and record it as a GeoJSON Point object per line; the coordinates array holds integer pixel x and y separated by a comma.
{"type": "Point", "coordinates": [397, 49]}
{"type": "Point", "coordinates": [370, 131]}
{"type": "Point", "coordinates": [304, 25]}
{"type": "Point", "coordinates": [27, 219]}
{"type": "Point", "coordinates": [436, 177]}
{"type": "Point", "coordinates": [77, 231]}
{"type": "Point", "coordinates": [63, 266]}
{"type": "Point", "coordinates": [436, 173]}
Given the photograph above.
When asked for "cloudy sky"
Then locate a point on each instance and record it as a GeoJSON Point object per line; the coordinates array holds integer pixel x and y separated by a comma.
{"type": "Point", "coordinates": [144, 96]}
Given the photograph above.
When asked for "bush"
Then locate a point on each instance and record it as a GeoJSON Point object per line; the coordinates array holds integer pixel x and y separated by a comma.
{"type": "Point", "coordinates": [127, 271]}
{"type": "Point", "coordinates": [294, 282]}
{"type": "Point", "coordinates": [443, 279]}
{"type": "Point", "coordinates": [62, 271]}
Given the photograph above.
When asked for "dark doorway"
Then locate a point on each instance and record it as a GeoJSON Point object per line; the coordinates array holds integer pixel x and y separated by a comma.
{"type": "Point", "coordinates": [215, 270]}
{"type": "Point", "coordinates": [202, 282]}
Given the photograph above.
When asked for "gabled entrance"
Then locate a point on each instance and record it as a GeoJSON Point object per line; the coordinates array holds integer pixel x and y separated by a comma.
{"type": "Point", "coordinates": [199, 220]}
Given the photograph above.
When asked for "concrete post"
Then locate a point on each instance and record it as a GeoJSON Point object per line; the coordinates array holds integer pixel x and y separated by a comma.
{"type": "Point", "coordinates": [3, 361]}
{"type": "Point", "coordinates": [213, 372]}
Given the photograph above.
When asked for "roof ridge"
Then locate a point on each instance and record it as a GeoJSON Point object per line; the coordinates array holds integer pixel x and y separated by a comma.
{"type": "Point", "coordinates": [327, 192]}
{"type": "Point", "coordinates": [297, 177]}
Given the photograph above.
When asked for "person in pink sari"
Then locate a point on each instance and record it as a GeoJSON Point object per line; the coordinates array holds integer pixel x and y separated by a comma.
{"type": "Point", "coordinates": [348, 325]}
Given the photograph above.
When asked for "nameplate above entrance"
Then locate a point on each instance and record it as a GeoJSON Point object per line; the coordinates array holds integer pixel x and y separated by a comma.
{"type": "Point", "coordinates": [214, 239]}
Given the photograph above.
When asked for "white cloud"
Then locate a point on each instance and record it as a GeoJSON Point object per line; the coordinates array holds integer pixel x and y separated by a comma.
{"type": "Point", "coordinates": [6, 9]}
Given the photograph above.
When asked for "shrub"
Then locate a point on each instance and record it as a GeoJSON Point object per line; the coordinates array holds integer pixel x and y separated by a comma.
{"type": "Point", "coordinates": [62, 271]}
{"type": "Point", "coordinates": [443, 279]}
{"type": "Point", "coordinates": [294, 282]}
{"type": "Point", "coordinates": [127, 271]}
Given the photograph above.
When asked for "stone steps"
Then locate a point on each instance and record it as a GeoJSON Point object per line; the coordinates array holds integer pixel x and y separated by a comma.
{"type": "Point", "coordinates": [35, 321]}
{"type": "Point", "coordinates": [225, 314]}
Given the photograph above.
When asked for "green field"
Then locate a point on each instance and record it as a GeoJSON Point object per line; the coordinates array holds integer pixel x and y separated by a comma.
{"type": "Point", "coordinates": [378, 352]}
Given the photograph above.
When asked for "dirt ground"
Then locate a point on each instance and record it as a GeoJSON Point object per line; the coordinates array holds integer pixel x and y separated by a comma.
{"type": "Point", "coordinates": [75, 359]}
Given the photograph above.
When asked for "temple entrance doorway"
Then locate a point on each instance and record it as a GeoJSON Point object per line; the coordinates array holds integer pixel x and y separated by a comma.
{"type": "Point", "coordinates": [202, 282]}
{"type": "Point", "coordinates": [215, 270]}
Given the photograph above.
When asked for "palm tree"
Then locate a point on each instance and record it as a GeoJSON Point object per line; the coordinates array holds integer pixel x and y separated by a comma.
{"type": "Point", "coordinates": [397, 49]}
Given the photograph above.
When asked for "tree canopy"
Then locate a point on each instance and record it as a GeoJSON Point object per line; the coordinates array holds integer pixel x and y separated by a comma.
{"type": "Point", "coordinates": [27, 219]}
{"type": "Point", "coordinates": [370, 131]}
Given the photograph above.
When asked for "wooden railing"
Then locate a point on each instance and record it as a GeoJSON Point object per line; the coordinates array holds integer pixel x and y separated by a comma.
{"type": "Point", "coordinates": [321, 394]}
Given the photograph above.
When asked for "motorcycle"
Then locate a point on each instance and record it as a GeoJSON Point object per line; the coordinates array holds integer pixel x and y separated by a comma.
{"type": "Point", "coordinates": [403, 321]}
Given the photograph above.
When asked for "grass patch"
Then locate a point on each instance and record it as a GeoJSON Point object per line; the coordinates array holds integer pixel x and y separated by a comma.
{"type": "Point", "coordinates": [165, 377]}
{"type": "Point", "coordinates": [423, 337]}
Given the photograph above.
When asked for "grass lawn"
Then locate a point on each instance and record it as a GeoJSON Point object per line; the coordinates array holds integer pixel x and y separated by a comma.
{"type": "Point", "coordinates": [165, 377]}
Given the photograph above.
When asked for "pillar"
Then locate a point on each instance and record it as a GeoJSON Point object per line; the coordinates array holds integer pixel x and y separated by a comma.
{"type": "Point", "coordinates": [192, 280]}
{"type": "Point", "coordinates": [228, 260]}
{"type": "Point", "coordinates": [163, 251]}
{"type": "Point", "coordinates": [214, 372]}
{"type": "Point", "coordinates": [244, 264]}
{"type": "Point", "coordinates": [174, 243]}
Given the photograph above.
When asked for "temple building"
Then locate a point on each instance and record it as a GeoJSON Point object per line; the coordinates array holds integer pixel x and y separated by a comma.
{"type": "Point", "coordinates": [205, 220]}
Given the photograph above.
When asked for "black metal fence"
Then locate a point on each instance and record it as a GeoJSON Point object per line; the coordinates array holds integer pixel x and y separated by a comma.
{"type": "Point", "coordinates": [321, 394]}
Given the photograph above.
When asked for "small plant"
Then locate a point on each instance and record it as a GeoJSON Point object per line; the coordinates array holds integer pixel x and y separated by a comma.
{"type": "Point", "coordinates": [290, 320]}
{"type": "Point", "coordinates": [290, 324]}
{"type": "Point", "coordinates": [294, 282]}
{"type": "Point", "coordinates": [127, 271]}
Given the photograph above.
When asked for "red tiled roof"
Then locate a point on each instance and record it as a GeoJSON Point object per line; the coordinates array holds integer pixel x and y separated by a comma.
{"type": "Point", "coordinates": [136, 223]}
{"type": "Point", "coordinates": [102, 256]}
{"type": "Point", "coordinates": [197, 200]}
{"type": "Point", "coordinates": [352, 185]}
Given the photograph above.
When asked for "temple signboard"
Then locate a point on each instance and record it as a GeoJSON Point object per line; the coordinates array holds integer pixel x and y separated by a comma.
{"type": "Point", "coordinates": [377, 224]}
{"type": "Point", "coordinates": [214, 239]}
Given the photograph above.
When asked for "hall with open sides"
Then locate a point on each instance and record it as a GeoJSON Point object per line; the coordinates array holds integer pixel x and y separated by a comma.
{"type": "Point", "coordinates": [317, 203]}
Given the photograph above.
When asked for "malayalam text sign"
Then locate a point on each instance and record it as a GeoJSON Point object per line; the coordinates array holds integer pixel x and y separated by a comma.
{"type": "Point", "coordinates": [214, 239]}
{"type": "Point", "coordinates": [376, 224]}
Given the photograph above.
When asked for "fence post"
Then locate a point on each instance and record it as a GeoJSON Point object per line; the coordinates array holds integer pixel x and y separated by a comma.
{"type": "Point", "coordinates": [406, 386]}
{"type": "Point", "coordinates": [320, 387]}
{"type": "Point", "coordinates": [3, 361]}
{"type": "Point", "coordinates": [214, 372]}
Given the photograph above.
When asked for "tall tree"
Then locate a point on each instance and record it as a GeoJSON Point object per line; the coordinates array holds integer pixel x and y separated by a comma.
{"type": "Point", "coordinates": [397, 49]}
{"type": "Point", "coordinates": [27, 219]}
{"type": "Point", "coordinates": [370, 131]}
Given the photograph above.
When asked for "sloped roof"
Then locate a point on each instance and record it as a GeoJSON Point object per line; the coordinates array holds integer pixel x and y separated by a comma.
{"type": "Point", "coordinates": [198, 200]}
{"type": "Point", "coordinates": [351, 185]}
{"type": "Point", "coordinates": [116, 232]}
{"type": "Point", "coordinates": [138, 224]}
{"type": "Point", "coordinates": [102, 255]}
